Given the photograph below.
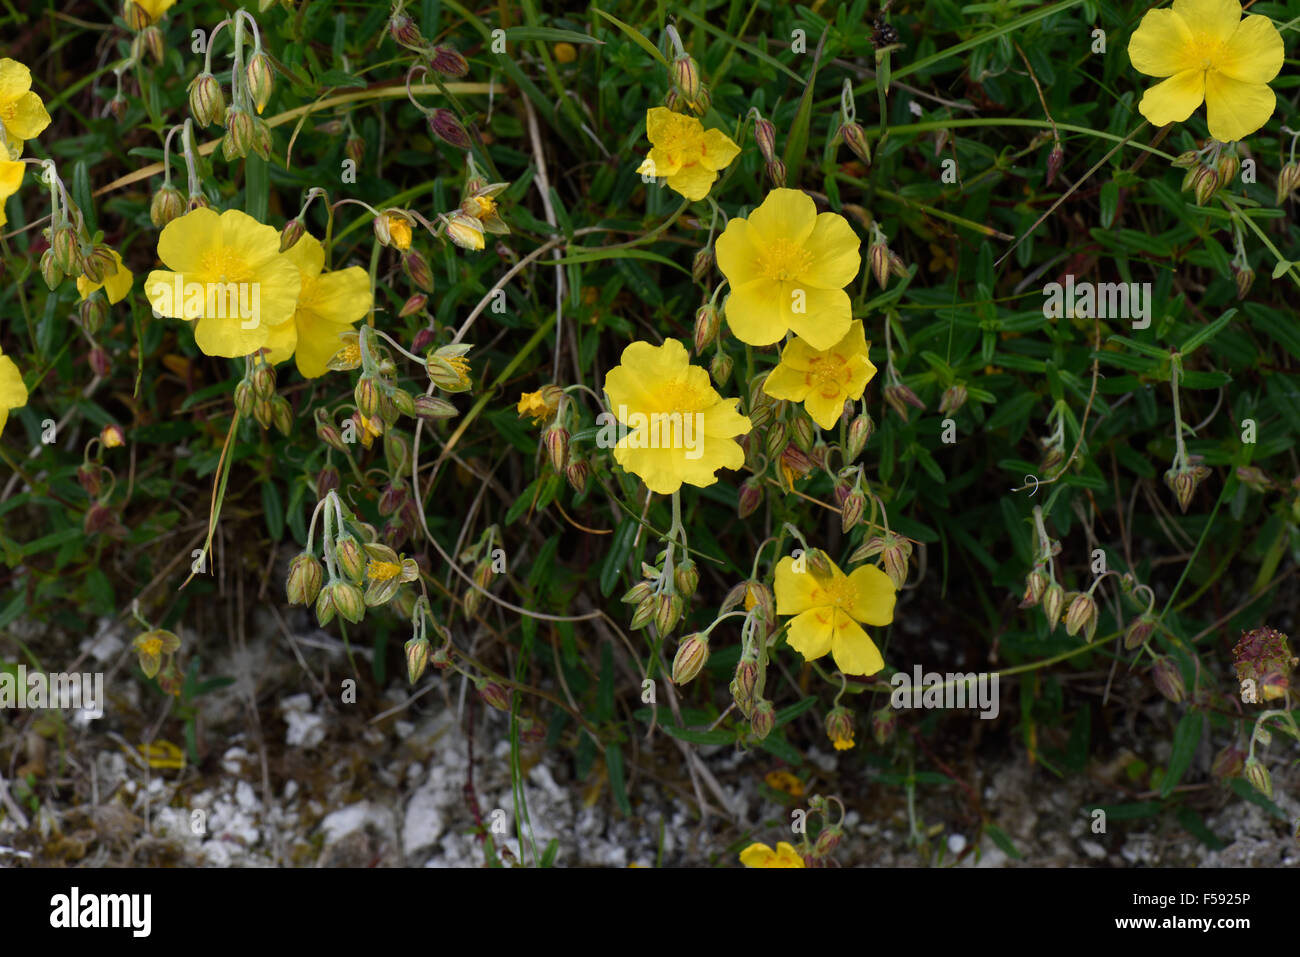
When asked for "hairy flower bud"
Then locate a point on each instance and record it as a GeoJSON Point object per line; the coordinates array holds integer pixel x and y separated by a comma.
{"type": "Point", "coordinates": [668, 611]}
{"type": "Point", "coordinates": [763, 719]}
{"type": "Point", "coordinates": [1081, 615]}
{"type": "Point", "coordinates": [417, 658]}
{"type": "Point", "coordinates": [883, 722]}
{"type": "Point", "coordinates": [776, 173]}
{"type": "Point", "coordinates": [1258, 776]}
{"type": "Point", "coordinates": [433, 407]}
{"type": "Point", "coordinates": [1168, 679]}
{"type": "Point", "coordinates": [1228, 763]}
{"type": "Point", "coordinates": [167, 204]}
{"type": "Point", "coordinates": [720, 371]}
{"type": "Point", "coordinates": [260, 79]}
{"type": "Point", "coordinates": [1035, 585]}
{"type": "Point", "coordinates": [447, 61]}
{"type": "Point", "coordinates": [765, 138]}
{"type": "Point", "coordinates": [855, 137]}
{"type": "Point", "coordinates": [305, 577]}
{"type": "Point", "coordinates": [445, 125]}
{"type": "Point", "coordinates": [1053, 603]}
{"type": "Point", "coordinates": [350, 557]}
{"type": "Point", "coordinates": [494, 694]}
{"type": "Point", "coordinates": [1055, 159]}
{"type": "Point", "coordinates": [403, 29]}
{"type": "Point", "coordinates": [692, 653]}
{"type": "Point", "coordinates": [707, 322]}
{"type": "Point", "coordinates": [556, 440]}
{"type": "Point", "coordinates": [93, 311]}
{"type": "Point", "coordinates": [1139, 631]}
{"type": "Point", "coordinates": [851, 510]}
{"type": "Point", "coordinates": [954, 397]}
{"type": "Point", "coordinates": [839, 728]}
{"type": "Point", "coordinates": [687, 578]}
{"type": "Point", "coordinates": [292, 232]}
{"type": "Point", "coordinates": [207, 101]}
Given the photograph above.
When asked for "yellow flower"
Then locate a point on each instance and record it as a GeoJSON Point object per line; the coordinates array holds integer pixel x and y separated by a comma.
{"type": "Point", "coordinates": [328, 304]}
{"type": "Point", "coordinates": [381, 571]}
{"type": "Point", "coordinates": [13, 394]}
{"type": "Point", "coordinates": [684, 152]}
{"type": "Point", "coordinates": [828, 610]}
{"type": "Point", "coordinates": [843, 744]}
{"type": "Point", "coordinates": [156, 8]}
{"type": "Point", "coordinates": [1208, 52]}
{"type": "Point", "coordinates": [784, 781]}
{"type": "Point", "coordinates": [229, 274]}
{"type": "Point", "coordinates": [115, 286]}
{"type": "Point", "coordinates": [465, 231]}
{"type": "Point", "coordinates": [399, 231]}
{"type": "Point", "coordinates": [11, 177]}
{"type": "Point", "coordinates": [787, 267]}
{"type": "Point", "coordinates": [540, 405]}
{"type": "Point", "coordinates": [21, 111]}
{"type": "Point", "coordinates": [823, 379]}
{"type": "Point", "coordinates": [678, 429]}
{"type": "Point", "coordinates": [760, 855]}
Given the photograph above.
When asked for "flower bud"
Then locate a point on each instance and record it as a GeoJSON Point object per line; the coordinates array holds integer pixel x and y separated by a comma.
{"type": "Point", "coordinates": [1081, 615]}
{"type": "Point", "coordinates": [1205, 184]}
{"type": "Point", "coordinates": [883, 722]}
{"type": "Point", "coordinates": [348, 600]}
{"type": "Point", "coordinates": [403, 29]}
{"type": "Point", "coordinates": [417, 658]}
{"type": "Point", "coordinates": [691, 655]}
{"type": "Point", "coordinates": [644, 612]}
{"type": "Point", "coordinates": [954, 397]}
{"type": "Point", "coordinates": [417, 270]}
{"type": "Point", "coordinates": [668, 612]}
{"type": "Point", "coordinates": [1288, 177]}
{"type": "Point", "coordinates": [878, 260]}
{"type": "Point", "coordinates": [1244, 278]}
{"type": "Point", "coordinates": [167, 204]}
{"type": "Point", "coordinates": [434, 407]}
{"type": "Point", "coordinates": [292, 232]}
{"type": "Point", "coordinates": [556, 441]}
{"type": "Point", "coordinates": [687, 578]}
{"type": "Point", "coordinates": [1055, 159]}
{"type": "Point", "coordinates": [51, 273]}
{"type": "Point", "coordinates": [765, 138]}
{"type": "Point", "coordinates": [413, 305]}
{"type": "Point", "coordinates": [328, 480]}
{"type": "Point", "coordinates": [744, 684]}
{"type": "Point", "coordinates": [1053, 603]}
{"type": "Point", "coordinates": [1228, 763]}
{"type": "Point", "coordinates": [576, 472]}
{"type": "Point", "coordinates": [720, 370]}
{"type": "Point", "coordinates": [93, 311]}
{"type": "Point", "coordinates": [444, 125]}
{"type": "Point", "coordinates": [112, 437]}
{"type": "Point", "coordinates": [1258, 776]}
{"type": "Point", "coordinates": [325, 606]}
{"type": "Point", "coordinates": [494, 694]}
{"type": "Point", "coordinates": [305, 577]}
{"type": "Point", "coordinates": [238, 140]}
{"type": "Point", "coordinates": [447, 61]}
{"type": "Point", "coordinates": [350, 557]}
{"type": "Point", "coordinates": [207, 101]}
{"type": "Point", "coordinates": [1186, 160]}
{"type": "Point", "coordinates": [1139, 631]}
{"type": "Point", "coordinates": [859, 434]}
{"type": "Point", "coordinates": [100, 362]}
{"type": "Point", "coordinates": [827, 841]}
{"type": "Point", "coordinates": [776, 173]}
{"type": "Point", "coordinates": [763, 719]}
{"type": "Point", "coordinates": [839, 728]}
{"type": "Point", "coordinates": [750, 497]}
{"type": "Point", "coordinates": [855, 137]}
{"type": "Point", "coordinates": [1168, 679]}
{"type": "Point", "coordinates": [707, 322]}
{"type": "Point", "coordinates": [894, 558]}
{"type": "Point", "coordinates": [686, 76]}
{"type": "Point", "coordinates": [1229, 164]}
{"type": "Point", "coordinates": [66, 250]}
{"type": "Point", "coordinates": [1035, 585]}
{"type": "Point", "coordinates": [776, 440]}
{"type": "Point", "coordinates": [99, 264]}
{"type": "Point", "coordinates": [638, 593]}
{"type": "Point", "coordinates": [136, 16]}
{"type": "Point", "coordinates": [260, 82]}
{"type": "Point", "coordinates": [355, 149]}
{"type": "Point", "coordinates": [851, 510]}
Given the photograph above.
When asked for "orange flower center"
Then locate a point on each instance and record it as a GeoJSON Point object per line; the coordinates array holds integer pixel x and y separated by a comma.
{"type": "Point", "coordinates": [783, 260]}
{"type": "Point", "coordinates": [829, 375]}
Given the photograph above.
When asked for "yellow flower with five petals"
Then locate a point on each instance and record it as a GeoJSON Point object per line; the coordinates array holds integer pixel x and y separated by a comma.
{"type": "Point", "coordinates": [22, 114]}
{"type": "Point", "coordinates": [684, 152]}
{"type": "Point", "coordinates": [787, 267]}
{"type": "Point", "coordinates": [1208, 52]}
{"type": "Point", "coordinates": [13, 394]}
{"type": "Point", "coordinates": [830, 609]}
{"type": "Point", "coordinates": [823, 379]}
{"type": "Point", "coordinates": [115, 286]}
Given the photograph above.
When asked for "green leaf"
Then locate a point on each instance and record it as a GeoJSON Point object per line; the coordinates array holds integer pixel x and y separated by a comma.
{"type": "Point", "coordinates": [796, 145]}
{"type": "Point", "coordinates": [619, 549]}
{"type": "Point", "coordinates": [1002, 840]}
{"type": "Point", "coordinates": [550, 35]}
{"type": "Point", "coordinates": [635, 36]}
{"type": "Point", "coordinates": [617, 782]}
{"type": "Point", "coordinates": [1194, 825]}
{"type": "Point", "coordinates": [692, 736]}
{"type": "Point", "coordinates": [273, 507]}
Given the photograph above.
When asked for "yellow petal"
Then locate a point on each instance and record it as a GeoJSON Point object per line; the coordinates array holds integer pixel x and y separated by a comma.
{"type": "Point", "coordinates": [13, 394]}
{"type": "Point", "coordinates": [1236, 109]}
{"type": "Point", "coordinates": [318, 341]}
{"type": "Point", "coordinates": [692, 181]}
{"type": "Point", "coordinates": [224, 337]}
{"type": "Point", "coordinates": [787, 382]}
{"type": "Point", "coordinates": [873, 596]}
{"type": "Point", "coordinates": [827, 316]}
{"type": "Point", "coordinates": [341, 296]}
{"type": "Point", "coordinates": [811, 633]}
{"type": "Point", "coordinates": [1253, 53]}
{"type": "Point", "coordinates": [15, 80]}
{"type": "Point", "coordinates": [1173, 100]}
{"type": "Point", "coordinates": [824, 408]}
{"type": "Point", "coordinates": [660, 469]}
{"type": "Point", "coordinates": [796, 591]}
{"type": "Point", "coordinates": [25, 117]}
{"type": "Point", "coordinates": [758, 312]}
{"type": "Point", "coordinates": [1162, 44]}
{"type": "Point", "coordinates": [738, 256]}
{"type": "Point", "coordinates": [717, 150]}
{"type": "Point", "coordinates": [1211, 19]}
{"type": "Point", "coordinates": [854, 652]}
{"type": "Point", "coordinates": [11, 177]}
{"type": "Point", "coordinates": [757, 855]}
{"type": "Point", "coordinates": [788, 214]}
{"type": "Point", "coordinates": [185, 240]}
{"type": "Point", "coordinates": [834, 249]}
{"type": "Point", "coordinates": [281, 341]}
{"type": "Point", "coordinates": [787, 856]}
